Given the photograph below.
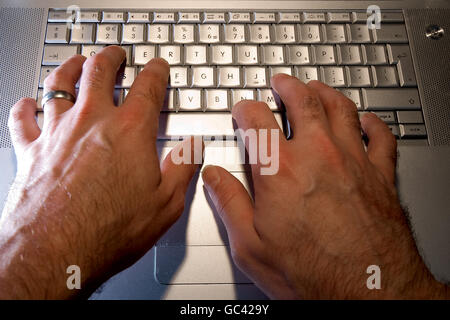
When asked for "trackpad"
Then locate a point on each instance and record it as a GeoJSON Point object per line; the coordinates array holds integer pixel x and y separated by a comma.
{"type": "Point", "coordinates": [195, 249]}
{"type": "Point", "coordinates": [196, 265]}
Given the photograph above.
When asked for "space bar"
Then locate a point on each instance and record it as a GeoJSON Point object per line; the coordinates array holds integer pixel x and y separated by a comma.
{"type": "Point", "coordinates": [183, 124]}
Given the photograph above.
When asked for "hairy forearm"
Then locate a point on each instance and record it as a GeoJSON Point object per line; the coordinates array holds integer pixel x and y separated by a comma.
{"type": "Point", "coordinates": [35, 247]}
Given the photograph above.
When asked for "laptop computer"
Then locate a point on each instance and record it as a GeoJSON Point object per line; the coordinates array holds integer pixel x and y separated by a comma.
{"type": "Point", "coordinates": [222, 52]}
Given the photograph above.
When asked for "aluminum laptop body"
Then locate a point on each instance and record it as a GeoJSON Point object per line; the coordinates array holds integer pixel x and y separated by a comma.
{"type": "Point", "coordinates": [192, 261]}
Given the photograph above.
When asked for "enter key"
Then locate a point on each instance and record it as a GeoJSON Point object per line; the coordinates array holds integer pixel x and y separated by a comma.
{"type": "Point", "coordinates": [401, 55]}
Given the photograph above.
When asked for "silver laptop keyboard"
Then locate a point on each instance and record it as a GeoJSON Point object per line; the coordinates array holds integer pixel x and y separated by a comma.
{"type": "Point", "coordinates": [220, 58]}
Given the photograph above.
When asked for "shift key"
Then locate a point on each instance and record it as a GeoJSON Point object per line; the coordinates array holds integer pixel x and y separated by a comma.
{"type": "Point", "coordinates": [391, 99]}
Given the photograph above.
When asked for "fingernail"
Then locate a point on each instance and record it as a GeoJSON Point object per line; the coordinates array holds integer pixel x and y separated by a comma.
{"type": "Point", "coordinates": [210, 176]}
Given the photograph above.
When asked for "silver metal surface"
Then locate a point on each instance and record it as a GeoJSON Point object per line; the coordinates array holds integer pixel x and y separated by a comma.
{"type": "Point", "coordinates": [419, 186]}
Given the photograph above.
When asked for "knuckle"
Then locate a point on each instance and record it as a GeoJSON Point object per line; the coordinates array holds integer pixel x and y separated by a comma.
{"type": "Point", "coordinates": [239, 255]}
{"type": "Point", "coordinates": [349, 113]}
{"type": "Point", "coordinates": [311, 107]}
{"type": "Point", "coordinates": [95, 68]}
{"type": "Point", "coordinates": [17, 112]}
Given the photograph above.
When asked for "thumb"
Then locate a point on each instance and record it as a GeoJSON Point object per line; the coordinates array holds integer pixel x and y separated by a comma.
{"type": "Point", "coordinates": [180, 164]}
{"type": "Point", "coordinates": [233, 204]}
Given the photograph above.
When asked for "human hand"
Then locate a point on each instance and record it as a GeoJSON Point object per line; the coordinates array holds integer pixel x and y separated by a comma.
{"type": "Point", "coordinates": [89, 190]}
{"type": "Point", "coordinates": [329, 213]}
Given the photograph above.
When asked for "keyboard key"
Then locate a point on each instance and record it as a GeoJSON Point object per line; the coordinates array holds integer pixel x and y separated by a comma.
{"type": "Point", "coordinates": [59, 16]}
{"type": "Point", "coordinates": [239, 17]}
{"type": "Point", "coordinates": [214, 17]}
{"type": "Point", "coordinates": [158, 33]}
{"type": "Point", "coordinates": [172, 54]}
{"type": "Point", "coordinates": [221, 55]}
{"type": "Point", "coordinates": [190, 100]}
{"type": "Point", "coordinates": [184, 33]}
{"type": "Point", "coordinates": [299, 55]}
{"type": "Point", "coordinates": [170, 100]}
{"type": "Point", "coordinates": [335, 33]}
{"type": "Point", "coordinates": [350, 54]}
{"type": "Point", "coordinates": [359, 33]}
{"type": "Point", "coordinates": [128, 54]}
{"type": "Point", "coordinates": [260, 33]}
{"type": "Point", "coordinates": [195, 55]}
{"type": "Point", "coordinates": [277, 70]}
{"type": "Point", "coordinates": [242, 94]}
{"type": "Point", "coordinates": [324, 54]}
{"type": "Point", "coordinates": [203, 77]}
{"type": "Point", "coordinates": [164, 17]}
{"type": "Point", "coordinates": [285, 33]}
{"type": "Point", "coordinates": [196, 123]}
{"type": "Point", "coordinates": [333, 76]}
{"type": "Point", "coordinates": [311, 17]}
{"type": "Point", "coordinates": [359, 76]}
{"type": "Point", "coordinates": [193, 17]}
{"type": "Point", "coordinates": [353, 94]}
{"type": "Point", "coordinates": [108, 33]}
{"type": "Point", "coordinates": [89, 51]}
{"type": "Point", "coordinates": [235, 33]}
{"type": "Point", "coordinates": [334, 17]}
{"type": "Point", "coordinates": [409, 117]}
{"type": "Point", "coordinates": [391, 99]}
{"type": "Point", "coordinates": [133, 33]}
{"type": "Point", "coordinates": [209, 33]}
{"type": "Point", "coordinates": [138, 17]}
{"type": "Point", "coordinates": [285, 17]}
{"type": "Point", "coordinates": [87, 16]}
{"type": "Point", "coordinates": [229, 77]}
{"type": "Point", "coordinates": [310, 33]}
{"type": "Point", "coordinates": [412, 131]}
{"type": "Point", "coordinates": [179, 77]}
{"type": "Point", "coordinates": [39, 101]}
{"type": "Point", "coordinates": [143, 54]}
{"type": "Point", "coordinates": [45, 71]}
{"type": "Point", "coordinates": [57, 33]}
{"type": "Point", "coordinates": [109, 17]}
{"type": "Point", "coordinates": [83, 33]}
{"type": "Point", "coordinates": [386, 116]}
{"type": "Point", "coordinates": [260, 17]}
{"type": "Point", "coordinates": [55, 54]}
{"type": "Point", "coordinates": [306, 74]}
{"type": "Point", "coordinates": [395, 130]}
{"type": "Point", "coordinates": [247, 55]}
{"type": "Point", "coordinates": [216, 100]}
{"type": "Point", "coordinates": [391, 33]}
{"type": "Point", "coordinates": [273, 55]}
{"type": "Point", "coordinates": [387, 17]}
{"type": "Point", "coordinates": [126, 78]}
{"type": "Point", "coordinates": [255, 77]}
{"type": "Point", "coordinates": [385, 76]}
{"type": "Point", "coordinates": [375, 54]}
{"type": "Point", "coordinates": [401, 55]}
{"type": "Point", "coordinates": [266, 95]}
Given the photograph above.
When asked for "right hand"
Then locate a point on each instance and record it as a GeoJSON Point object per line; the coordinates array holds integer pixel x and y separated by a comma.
{"type": "Point", "coordinates": [331, 210]}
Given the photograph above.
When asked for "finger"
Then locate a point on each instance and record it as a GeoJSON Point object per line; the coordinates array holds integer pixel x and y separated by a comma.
{"type": "Point", "coordinates": [342, 117]}
{"type": "Point", "coordinates": [22, 123]}
{"type": "Point", "coordinates": [382, 147]}
{"type": "Point", "coordinates": [63, 78]}
{"type": "Point", "coordinates": [99, 77]}
{"type": "Point", "coordinates": [233, 205]}
{"type": "Point", "coordinates": [149, 89]}
{"type": "Point", "coordinates": [303, 106]}
{"type": "Point", "coordinates": [179, 166]}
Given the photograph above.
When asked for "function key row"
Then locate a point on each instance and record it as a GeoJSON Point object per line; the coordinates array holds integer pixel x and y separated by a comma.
{"type": "Point", "coordinates": [217, 17]}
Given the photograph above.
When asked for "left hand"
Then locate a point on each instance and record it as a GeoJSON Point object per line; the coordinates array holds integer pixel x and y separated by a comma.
{"type": "Point", "coordinates": [89, 190]}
